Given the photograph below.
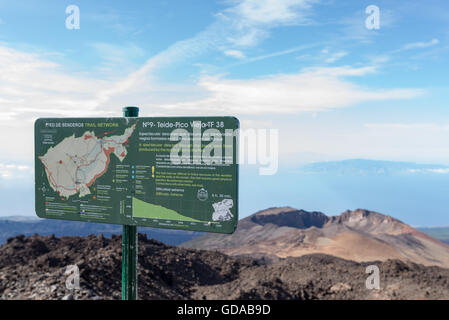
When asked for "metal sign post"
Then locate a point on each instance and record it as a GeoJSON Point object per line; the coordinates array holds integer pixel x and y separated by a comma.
{"type": "Point", "coordinates": [129, 244]}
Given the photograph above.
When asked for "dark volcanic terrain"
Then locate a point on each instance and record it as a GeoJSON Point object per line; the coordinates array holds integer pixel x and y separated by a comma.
{"type": "Point", "coordinates": [33, 268]}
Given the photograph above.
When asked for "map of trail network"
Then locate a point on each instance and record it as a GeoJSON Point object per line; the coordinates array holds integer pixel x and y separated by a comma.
{"type": "Point", "coordinates": [125, 171]}
{"type": "Point", "coordinates": [74, 164]}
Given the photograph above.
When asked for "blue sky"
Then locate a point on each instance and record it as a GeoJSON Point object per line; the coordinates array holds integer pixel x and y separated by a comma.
{"type": "Point", "coordinates": [310, 68]}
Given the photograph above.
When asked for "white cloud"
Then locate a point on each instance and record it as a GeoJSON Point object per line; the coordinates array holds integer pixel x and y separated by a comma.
{"type": "Point", "coordinates": [252, 124]}
{"type": "Point", "coordinates": [242, 25]}
{"type": "Point", "coordinates": [335, 56]}
{"type": "Point", "coordinates": [36, 87]}
{"type": "Point", "coordinates": [350, 139]}
{"type": "Point", "coordinates": [14, 171]}
{"type": "Point", "coordinates": [440, 171]}
{"type": "Point", "coordinates": [273, 11]}
{"type": "Point", "coordinates": [437, 171]}
{"type": "Point", "coordinates": [406, 126]}
{"type": "Point", "coordinates": [311, 90]}
{"type": "Point", "coordinates": [277, 53]}
{"type": "Point", "coordinates": [30, 85]}
{"type": "Point", "coordinates": [392, 125]}
{"type": "Point", "coordinates": [342, 71]}
{"type": "Point", "coordinates": [251, 20]}
{"type": "Point", "coordinates": [235, 54]}
{"type": "Point", "coordinates": [383, 58]}
{"type": "Point", "coordinates": [419, 45]}
{"type": "Point", "coordinates": [117, 57]}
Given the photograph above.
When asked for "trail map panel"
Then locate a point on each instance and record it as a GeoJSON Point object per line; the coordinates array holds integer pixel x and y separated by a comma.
{"type": "Point", "coordinates": [175, 173]}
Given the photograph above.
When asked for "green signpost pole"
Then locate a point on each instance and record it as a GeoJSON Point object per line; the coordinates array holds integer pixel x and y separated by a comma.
{"type": "Point", "coordinates": [129, 244]}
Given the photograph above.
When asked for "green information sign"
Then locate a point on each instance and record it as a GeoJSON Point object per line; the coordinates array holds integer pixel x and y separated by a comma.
{"type": "Point", "coordinates": [176, 173]}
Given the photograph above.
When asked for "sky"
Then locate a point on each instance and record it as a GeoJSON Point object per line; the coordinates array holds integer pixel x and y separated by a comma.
{"type": "Point", "coordinates": [310, 68]}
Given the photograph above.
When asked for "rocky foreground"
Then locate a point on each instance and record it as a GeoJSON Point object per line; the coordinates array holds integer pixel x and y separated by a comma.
{"type": "Point", "coordinates": [33, 268]}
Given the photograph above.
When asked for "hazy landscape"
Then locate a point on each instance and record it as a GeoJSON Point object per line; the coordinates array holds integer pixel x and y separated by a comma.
{"type": "Point", "coordinates": [415, 193]}
{"type": "Point", "coordinates": [412, 192]}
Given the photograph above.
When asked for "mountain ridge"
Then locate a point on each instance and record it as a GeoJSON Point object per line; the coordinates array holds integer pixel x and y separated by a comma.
{"type": "Point", "coordinates": [359, 235]}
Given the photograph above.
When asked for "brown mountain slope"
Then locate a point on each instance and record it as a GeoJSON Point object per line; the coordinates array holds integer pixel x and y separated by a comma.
{"type": "Point", "coordinates": [359, 235]}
